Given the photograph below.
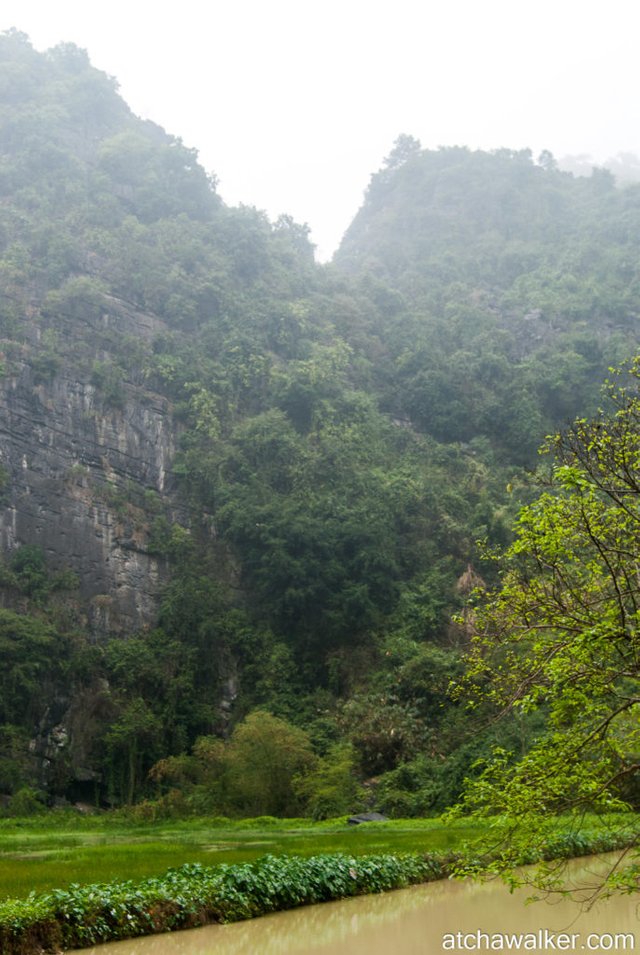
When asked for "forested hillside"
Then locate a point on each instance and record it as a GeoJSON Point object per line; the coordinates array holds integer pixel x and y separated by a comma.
{"type": "Point", "coordinates": [236, 481]}
{"type": "Point", "coordinates": [519, 288]}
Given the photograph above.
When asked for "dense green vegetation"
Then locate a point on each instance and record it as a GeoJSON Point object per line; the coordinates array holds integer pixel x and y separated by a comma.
{"type": "Point", "coordinates": [517, 284]}
{"type": "Point", "coordinates": [560, 634]}
{"type": "Point", "coordinates": [195, 895]}
{"type": "Point", "coordinates": [347, 434]}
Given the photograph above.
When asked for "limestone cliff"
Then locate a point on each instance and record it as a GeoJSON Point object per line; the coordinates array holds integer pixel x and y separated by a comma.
{"type": "Point", "coordinates": [82, 468]}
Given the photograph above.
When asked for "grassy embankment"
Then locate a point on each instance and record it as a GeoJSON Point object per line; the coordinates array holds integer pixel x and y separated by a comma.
{"type": "Point", "coordinates": [289, 871]}
{"type": "Point", "coordinates": [52, 851]}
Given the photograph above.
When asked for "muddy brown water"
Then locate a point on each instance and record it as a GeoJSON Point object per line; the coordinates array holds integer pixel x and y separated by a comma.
{"type": "Point", "coordinates": [434, 918]}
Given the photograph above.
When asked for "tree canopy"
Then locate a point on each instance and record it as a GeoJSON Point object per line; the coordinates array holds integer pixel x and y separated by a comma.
{"type": "Point", "coordinates": [561, 634]}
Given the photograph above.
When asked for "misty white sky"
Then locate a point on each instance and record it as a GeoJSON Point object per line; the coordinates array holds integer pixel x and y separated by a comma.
{"type": "Point", "coordinates": [294, 103]}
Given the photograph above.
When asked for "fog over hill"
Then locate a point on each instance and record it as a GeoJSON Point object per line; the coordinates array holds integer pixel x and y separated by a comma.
{"type": "Point", "coordinates": [293, 106]}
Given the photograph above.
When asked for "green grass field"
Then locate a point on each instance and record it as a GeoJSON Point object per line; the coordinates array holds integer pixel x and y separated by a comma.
{"type": "Point", "coordinates": [57, 849]}
{"type": "Point", "coordinates": [53, 851]}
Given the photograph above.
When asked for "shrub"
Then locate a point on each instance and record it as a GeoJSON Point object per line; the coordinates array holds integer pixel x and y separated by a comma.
{"type": "Point", "coordinates": [25, 802]}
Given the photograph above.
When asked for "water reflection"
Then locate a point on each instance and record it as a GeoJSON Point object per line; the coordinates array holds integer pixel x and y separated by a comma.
{"type": "Point", "coordinates": [408, 922]}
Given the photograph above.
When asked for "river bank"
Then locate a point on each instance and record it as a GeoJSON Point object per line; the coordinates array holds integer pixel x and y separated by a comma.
{"type": "Point", "coordinates": [194, 895]}
{"type": "Point", "coordinates": [421, 920]}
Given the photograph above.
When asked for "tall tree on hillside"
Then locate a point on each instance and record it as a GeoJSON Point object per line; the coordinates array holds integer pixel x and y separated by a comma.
{"type": "Point", "coordinates": [562, 634]}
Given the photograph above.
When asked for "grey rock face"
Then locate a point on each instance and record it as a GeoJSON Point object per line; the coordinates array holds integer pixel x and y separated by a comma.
{"type": "Point", "coordinates": [77, 468]}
